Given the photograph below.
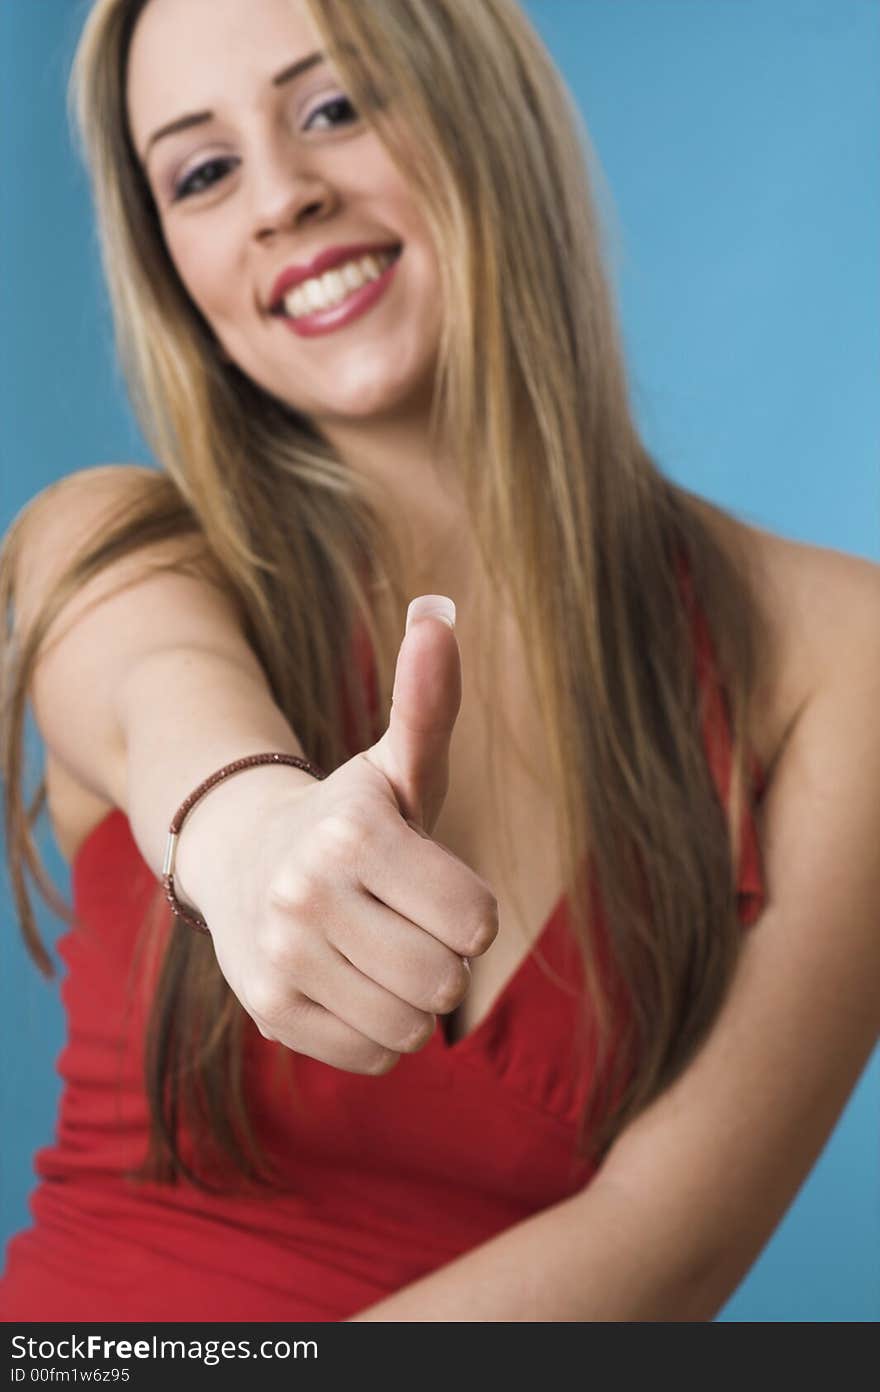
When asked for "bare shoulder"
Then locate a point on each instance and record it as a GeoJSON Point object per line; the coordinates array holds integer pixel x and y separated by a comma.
{"type": "Point", "coordinates": [102, 486]}
{"type": "Point", "coordinates": [54, 525]}
{"type": "Point", "coordinates": [825, 603]}
{"type": "Point", "coordinates": [761, 1096]}
{"type": "Point", "coordinates": [71, 510]}
{"type": "Point", "coordinates": [804, 584]}
{"type": "Point", "coordinates": [75, 510]}
{"type": "Point", "coordinates": [822, 610]}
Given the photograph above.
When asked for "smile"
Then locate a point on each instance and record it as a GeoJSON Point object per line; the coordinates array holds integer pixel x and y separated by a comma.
{"type": "Point", "coordinates": [327, 302]}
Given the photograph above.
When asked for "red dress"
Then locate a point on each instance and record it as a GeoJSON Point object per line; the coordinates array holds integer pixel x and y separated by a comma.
{"type": "Point", "coordinates": [389, 1177]}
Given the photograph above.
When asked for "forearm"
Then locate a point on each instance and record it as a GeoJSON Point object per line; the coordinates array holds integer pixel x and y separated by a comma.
{"type": "Point", "coordinates": [588, 1258]}
{"type": "Point", "coordinates": [183, 714]}
{"type": "Point", "coordinates": [145, 682]}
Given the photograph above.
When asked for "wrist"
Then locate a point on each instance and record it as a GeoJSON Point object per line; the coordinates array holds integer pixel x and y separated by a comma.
{"type": "Point", "coordinates": [221, 826]}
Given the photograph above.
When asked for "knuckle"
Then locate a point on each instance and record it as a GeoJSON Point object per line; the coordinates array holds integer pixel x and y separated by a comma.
{"type": "Point", "coordinates": [418, 1035]}
{"type": "Point", "coordinates": [452, 989]}
{"type": "Point", "coordinates": [380, 1061]}
{"type": "Point", "coordinates": [282, 945]}
{"type": "Point", "coordinates": [295, 887]}
{"type": "Point", "coordinates": [265, 1002]}
{"type": "Point", "coordinates": [485, 929]}
{"type": "Point", "coordinates": [342, 833]}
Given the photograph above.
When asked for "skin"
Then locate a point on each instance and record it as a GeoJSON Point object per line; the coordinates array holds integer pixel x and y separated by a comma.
{"type": "Point", "coordinates": [288, 180]}
{"type": "Point", "coordinates": [277, 174]}
{"type": "Point", "coordinates": [650, 1238]}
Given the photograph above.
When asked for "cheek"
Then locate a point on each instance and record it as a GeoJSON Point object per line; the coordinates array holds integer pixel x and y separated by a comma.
{"type": "Point", "coordinates": [204, 268]}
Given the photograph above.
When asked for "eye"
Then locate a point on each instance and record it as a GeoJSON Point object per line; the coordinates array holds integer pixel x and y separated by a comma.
{"type": "Point", "coordinates": [334, 105]}
{"type": "Point", "coordinates": [204, 176]}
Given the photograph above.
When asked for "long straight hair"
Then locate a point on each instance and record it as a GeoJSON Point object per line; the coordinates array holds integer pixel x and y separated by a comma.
{"type": "Point", "coordinates": [531, 388]}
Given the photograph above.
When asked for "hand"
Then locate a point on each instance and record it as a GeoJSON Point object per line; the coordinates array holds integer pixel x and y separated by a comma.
{"type": "Point", "coordinates": [340, 925]}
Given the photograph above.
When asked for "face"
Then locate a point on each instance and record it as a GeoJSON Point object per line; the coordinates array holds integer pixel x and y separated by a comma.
{"type": "Point", "coordinates": [270, 169]}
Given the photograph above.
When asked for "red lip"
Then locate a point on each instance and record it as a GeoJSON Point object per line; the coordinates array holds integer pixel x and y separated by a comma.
{"type": "Point", "coordinates": [324, 261]}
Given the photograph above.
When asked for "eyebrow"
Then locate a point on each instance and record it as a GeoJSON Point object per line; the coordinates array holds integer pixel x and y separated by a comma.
{"type": "Point", "coordinates": [198, 118]}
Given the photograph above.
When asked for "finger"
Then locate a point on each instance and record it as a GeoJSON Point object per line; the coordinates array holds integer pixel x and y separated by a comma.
{"type": "Point", "coordinates": [413, 753]}
{"type": "Point", "coordinates": [315, 1032]}
{"type": "Point", "coordinates": [400, 956]}
{"type": "Point", "coordinates": [366, 1006]}
{"type": "Point", "coordinates": [359, 1002]}
{"type": "Point", "coordinates": [425, 883]}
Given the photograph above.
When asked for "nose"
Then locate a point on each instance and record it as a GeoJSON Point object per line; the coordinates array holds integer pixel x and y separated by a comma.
{"type": "Point", "coordinates": [285, 192]}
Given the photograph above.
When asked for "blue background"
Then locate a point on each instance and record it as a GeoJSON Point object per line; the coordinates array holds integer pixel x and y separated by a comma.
{"type": "Point", "coordinates": [739, 142]}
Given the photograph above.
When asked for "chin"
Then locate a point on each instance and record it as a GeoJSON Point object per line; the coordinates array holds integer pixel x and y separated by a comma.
{"type": "Point", "coordinates": [366, 401]}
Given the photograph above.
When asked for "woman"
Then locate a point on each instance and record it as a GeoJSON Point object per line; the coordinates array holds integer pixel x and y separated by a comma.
{"type": "Point", "coordinates": [412, 1064]}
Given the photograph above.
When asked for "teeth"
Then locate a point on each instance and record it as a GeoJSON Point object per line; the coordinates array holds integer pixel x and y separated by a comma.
{"type": "Point", "coordinates": [322, 292]}
{"type": "Point", "coordinates": [351, 276]}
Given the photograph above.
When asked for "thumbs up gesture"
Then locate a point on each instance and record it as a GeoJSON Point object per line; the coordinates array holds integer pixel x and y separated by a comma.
{"type": "Point", "coordinates": [413, 754]}
{"type": "Point", "coordinates": [340, 925]}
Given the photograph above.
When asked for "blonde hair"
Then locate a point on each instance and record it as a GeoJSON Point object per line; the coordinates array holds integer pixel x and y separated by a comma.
{"type": "Point", "coordinates": [531, 389]}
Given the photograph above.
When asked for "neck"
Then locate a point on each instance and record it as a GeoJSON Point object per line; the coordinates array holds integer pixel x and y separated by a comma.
{"type": "Point", "coordinates": [419, 496]}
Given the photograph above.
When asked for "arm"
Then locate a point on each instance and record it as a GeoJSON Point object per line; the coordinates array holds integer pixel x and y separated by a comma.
{"type": "Point", "coordinates": [145, 683]}
{"type": "Point", "coordinates": [695, 1186]}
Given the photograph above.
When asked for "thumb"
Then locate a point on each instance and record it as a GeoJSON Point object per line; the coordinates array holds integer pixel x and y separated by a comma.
{"type": "Point", "coordinates": [413, 753]}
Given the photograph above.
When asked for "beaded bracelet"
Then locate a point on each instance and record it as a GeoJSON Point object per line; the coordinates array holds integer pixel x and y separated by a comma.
{"type": "Point", "coordinates": [195, 920]}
